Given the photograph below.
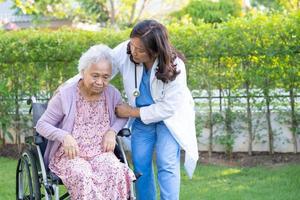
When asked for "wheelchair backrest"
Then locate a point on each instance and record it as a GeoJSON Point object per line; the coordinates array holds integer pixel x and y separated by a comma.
{"type": "Point", "coordinates": [37, 111]}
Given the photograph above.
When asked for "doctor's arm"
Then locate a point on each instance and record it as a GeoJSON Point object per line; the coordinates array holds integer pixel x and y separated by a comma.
{"type": "Point", "coordinates": [160, 110]}
{"type": "Point", "coordinates": [166, 107]}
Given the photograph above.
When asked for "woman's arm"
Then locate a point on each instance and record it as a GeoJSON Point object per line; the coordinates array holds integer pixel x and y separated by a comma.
{"type": "Point", "coordinates": [159, 110]}
{"type": "Point", "coordinates": [118, 122]}
{"type": "Point", "coordinates": [164, 108]}
{"type": "Point", "coordinates": [47, 124]}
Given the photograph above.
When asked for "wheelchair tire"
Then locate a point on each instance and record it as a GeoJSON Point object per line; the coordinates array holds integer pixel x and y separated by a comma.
{"type": "Point", "coordinates": [27, 180]}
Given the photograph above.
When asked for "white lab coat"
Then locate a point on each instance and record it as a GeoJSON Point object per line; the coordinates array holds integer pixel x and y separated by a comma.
{"type": "Point", "coordinates": [173, 103]}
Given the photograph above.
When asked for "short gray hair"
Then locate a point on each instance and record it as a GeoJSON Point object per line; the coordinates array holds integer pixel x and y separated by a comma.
{"type": "Point", "coordinates": [93, 55]}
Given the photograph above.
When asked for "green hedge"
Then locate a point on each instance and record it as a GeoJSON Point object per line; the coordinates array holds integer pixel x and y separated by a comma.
{"type": "Point", "coordinates": [50, 57]}
{"type": "Point", "coordinates": [45, 57]}
{"type": "Point", "coordinates": [260, 52]}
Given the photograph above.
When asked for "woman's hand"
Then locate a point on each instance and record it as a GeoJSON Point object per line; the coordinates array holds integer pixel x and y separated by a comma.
{"type": "Point", "coordinates": [70, 146]}
{"type": "Point", "coordinates": [125, 110]}
{"type": "Point", "coordinates": [109, 141]}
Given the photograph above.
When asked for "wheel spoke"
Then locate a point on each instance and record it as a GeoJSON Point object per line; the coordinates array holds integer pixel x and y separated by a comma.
{"type": "Point", "coordinates": [28, 187]}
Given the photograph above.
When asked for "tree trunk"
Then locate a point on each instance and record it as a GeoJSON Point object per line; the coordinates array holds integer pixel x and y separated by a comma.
{"type": "Point", "coordinates": [249, 119]}
{"type": "Point", "coordinates": [2, 135]}
{"type": "Point", "coordinates": [268, 116]}
{"type": "Point", "coordinates": [17, 121]}
{"type": "Point", "coordinates": [112, 13]}
{"type": "Point", "coordinates": [16, 118]}
{"type": "Point", "coordinates": [228, 126]}
{"type": "Point", "coordinates": [133, 8]}
{"type": "Point", "coordinates": [220, 99]}
{"type": "Point", "coordinates": [210, 121]}
{"type": "Point", "coordinates": [141, 11]}
{"type": "Point", "coordinates": [294, 120]}
{"type": "Point", "coordinates": [220, 88]}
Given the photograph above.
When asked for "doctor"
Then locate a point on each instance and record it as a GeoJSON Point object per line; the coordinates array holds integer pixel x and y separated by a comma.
{"type": "Point", "coordinates": [161, 106]}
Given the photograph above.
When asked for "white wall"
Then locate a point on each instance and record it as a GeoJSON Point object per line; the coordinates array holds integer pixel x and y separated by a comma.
{"type": "Point", "coordinates": [283, 141]}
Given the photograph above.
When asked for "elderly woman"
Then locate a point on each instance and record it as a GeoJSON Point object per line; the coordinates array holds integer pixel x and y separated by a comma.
{"type": "Point", "coordinates": [81, 127]}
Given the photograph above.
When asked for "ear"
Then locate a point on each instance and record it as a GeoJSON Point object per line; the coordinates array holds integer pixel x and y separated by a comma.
{"type": "Point", "coordinates": [81, 73]}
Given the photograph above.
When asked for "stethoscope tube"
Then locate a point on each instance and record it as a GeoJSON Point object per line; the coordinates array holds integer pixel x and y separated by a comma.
{"type": "Point", "coordinates": [136, 91]}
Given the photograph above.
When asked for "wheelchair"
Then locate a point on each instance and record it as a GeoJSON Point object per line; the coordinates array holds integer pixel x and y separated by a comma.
{"type": "Point", "coordinates": [33, 180]}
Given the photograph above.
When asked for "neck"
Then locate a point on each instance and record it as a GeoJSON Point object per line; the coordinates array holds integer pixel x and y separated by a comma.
{"type": "Point", "coordinates": [149, 64]}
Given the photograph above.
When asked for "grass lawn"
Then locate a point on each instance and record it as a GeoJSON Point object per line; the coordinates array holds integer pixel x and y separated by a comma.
{"type": "Point", "coordinates": [227, 183]}
{"type": "Point", "coordinates": [209, 183]}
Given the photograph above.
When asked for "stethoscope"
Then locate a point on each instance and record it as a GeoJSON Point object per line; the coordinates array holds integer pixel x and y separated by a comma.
{"type": "Point", "coordinates": [136, 91]}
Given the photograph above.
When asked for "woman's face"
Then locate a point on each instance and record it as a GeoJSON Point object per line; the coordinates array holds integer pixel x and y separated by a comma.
{"type": "Point", "coordinates": [138, 51]}
{"type": "Point", "coordinates": [97, 76]}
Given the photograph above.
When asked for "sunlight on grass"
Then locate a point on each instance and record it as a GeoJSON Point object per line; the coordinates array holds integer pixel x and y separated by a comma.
{"type": "Point", "coordinates": [230, 171]}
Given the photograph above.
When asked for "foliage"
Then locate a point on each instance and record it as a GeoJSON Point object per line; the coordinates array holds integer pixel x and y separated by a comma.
{"type": "Point", "coordinates": [53, 8]}
{"type": "Point", "coordinates": [280, 5]}
{"type": "Point", "coordinates": [46, 58]}
{"type": "Point", "coordinates": [5, 108]}
{"type": "Point", "coordinates": [260, 50]}
{"type": "Point", "coordinates": [95, 11]}
{"type": "Point", "coordinates": [114, 12]}
{"type": "Point", "coordinates": [210, 11]}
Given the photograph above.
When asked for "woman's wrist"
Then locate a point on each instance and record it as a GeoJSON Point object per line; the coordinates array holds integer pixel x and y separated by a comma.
{"type": "Point", "coordinates": [113, 131]}
{"type": "Point", "coordinates": [134, 112]}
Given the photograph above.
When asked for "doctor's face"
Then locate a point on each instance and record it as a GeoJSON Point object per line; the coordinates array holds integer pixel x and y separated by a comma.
{"type": "Point", "coordinates": [138, 51]}
{"type": "Point", "coordinates": [97, 77]}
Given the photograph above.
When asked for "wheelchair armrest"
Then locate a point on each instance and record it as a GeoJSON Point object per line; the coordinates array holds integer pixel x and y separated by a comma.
{"type": "Point", "coordinates": [124, 132]}
{"type": "Point", "coordinates": [38, 139]}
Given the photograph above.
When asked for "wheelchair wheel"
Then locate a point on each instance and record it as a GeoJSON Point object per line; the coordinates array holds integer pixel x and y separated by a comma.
{"type": "Point", "coordinates": [28, 186]}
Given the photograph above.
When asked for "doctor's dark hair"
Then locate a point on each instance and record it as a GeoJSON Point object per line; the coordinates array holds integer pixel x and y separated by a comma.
{"type": "Point", "coordinates": [155, 38]}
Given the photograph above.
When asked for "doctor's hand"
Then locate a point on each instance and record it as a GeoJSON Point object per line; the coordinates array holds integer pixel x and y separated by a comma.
{"type": "Point", "coordinates": [125, 110]}
{"type": "Point", "coordinates": [70, 146]}
{"type": "Point", "coordinates": [109, 141]}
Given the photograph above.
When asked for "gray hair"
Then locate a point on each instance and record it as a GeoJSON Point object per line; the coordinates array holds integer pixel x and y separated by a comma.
{"type": "Point", "coordinates": [93, 55]}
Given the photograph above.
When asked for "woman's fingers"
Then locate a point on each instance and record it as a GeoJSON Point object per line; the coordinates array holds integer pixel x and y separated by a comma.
{"type": "Point", "coordinates": [70, 147]}
{"type": "Point", "coordinates": [70, 152]}
{"type": "Point", "coordinates": [123, 110]}
{"type": "Point", "coordinates": [108, 146]}
{"type": "Point", "coordinates": [109, 141]}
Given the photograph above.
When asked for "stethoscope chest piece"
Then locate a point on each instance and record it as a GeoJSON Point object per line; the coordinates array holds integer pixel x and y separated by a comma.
{"type": "Point", "coordinates": [136, 93]}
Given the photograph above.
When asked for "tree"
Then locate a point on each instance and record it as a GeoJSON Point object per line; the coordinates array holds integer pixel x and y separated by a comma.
{"type": "Point", "coordinates": [210, 11]}
{"type": "Point", "coordinates": [290, 5]}
{"type": "Point", "coordinates": [112, 12]}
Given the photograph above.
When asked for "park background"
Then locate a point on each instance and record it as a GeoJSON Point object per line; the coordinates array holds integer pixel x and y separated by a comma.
{"type": "Point", "coordinates": [242, 60]}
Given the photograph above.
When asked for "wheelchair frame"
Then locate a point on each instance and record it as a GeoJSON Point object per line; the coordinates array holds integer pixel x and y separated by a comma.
{"type": "Point", "coordinates": [33, 180]}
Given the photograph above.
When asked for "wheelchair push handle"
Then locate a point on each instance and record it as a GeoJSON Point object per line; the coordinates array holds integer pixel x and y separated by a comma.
{"type": "Point", "coordinates": [124, 132]}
